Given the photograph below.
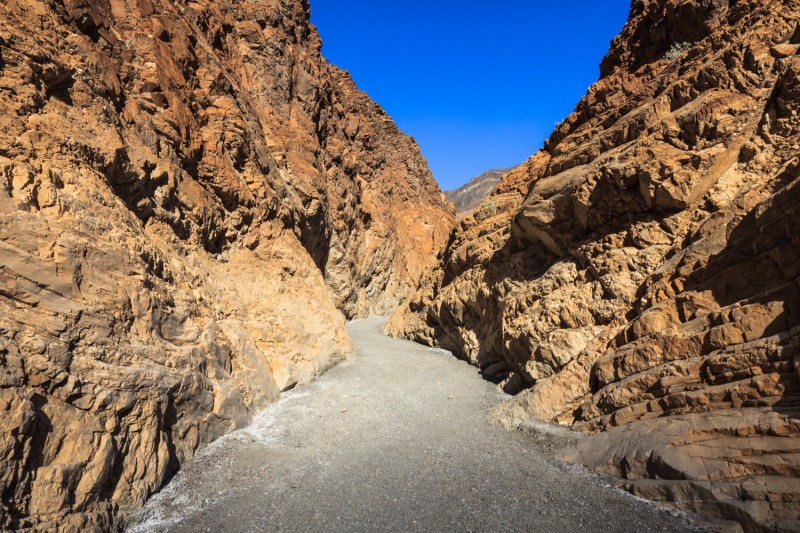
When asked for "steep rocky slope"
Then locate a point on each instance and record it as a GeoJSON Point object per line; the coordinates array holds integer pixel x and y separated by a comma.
{"type": "Point", "coordinates": [470, 195]}
{"type": "Point", "coordinates": [639, 279]}
{"type": "Point", "coordinates": [191, 199]}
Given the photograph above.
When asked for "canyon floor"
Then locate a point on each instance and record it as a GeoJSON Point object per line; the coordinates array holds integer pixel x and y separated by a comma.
{"type": "Point", "coordinates": [394, 439]}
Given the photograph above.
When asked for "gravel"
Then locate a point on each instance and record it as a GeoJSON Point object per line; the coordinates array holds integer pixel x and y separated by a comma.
{"type": "Point", "coordinates": [395, 439]}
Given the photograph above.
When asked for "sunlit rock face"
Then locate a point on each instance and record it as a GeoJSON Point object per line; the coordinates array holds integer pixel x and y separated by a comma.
{"type": "Point", "coordinates": [638, 277]}
{"type": "Point", "coordinates": [191, 202]}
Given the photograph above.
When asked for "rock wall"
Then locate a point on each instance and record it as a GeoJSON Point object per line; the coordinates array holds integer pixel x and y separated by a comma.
{"type": "Point", "coordinates": [639, 279]}
{"type": "Point", "coordinates": [191, 199]}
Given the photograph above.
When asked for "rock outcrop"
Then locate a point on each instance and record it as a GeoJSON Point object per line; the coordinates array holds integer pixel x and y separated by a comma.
{"type": "Point", "coordinates": [191, 201]}
{"type": "Point", "coordinates": [470, 195]}
{"type": "Point", "coordinates": [640, 277]}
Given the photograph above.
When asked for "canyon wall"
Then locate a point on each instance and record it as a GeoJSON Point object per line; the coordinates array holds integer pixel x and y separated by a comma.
{"type": "Point", "coordinates": [638, 278]}
{"type": "Point", "coordinates": [191, 201]}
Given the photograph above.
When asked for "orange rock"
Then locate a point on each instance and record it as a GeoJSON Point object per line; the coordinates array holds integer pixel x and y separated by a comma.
{"type": "Point", "coordinates": [191, 201]}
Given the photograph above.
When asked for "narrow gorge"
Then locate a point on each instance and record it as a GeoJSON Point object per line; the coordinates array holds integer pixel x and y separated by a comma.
{"type": "Point", "coordinates": [194, 203]}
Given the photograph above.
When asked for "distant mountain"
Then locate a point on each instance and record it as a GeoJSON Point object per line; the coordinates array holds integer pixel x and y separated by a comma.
{"type": "Point", "coordinates": [470, 195]}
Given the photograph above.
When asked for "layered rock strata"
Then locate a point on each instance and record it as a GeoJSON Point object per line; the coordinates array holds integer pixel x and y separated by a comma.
{"type": "Point", "coordinates": [640, 277]}
{"type": "Point", "coordinates": [191, 200]}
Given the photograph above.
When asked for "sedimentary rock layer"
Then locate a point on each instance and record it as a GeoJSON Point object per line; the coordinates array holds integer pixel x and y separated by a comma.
{"type": "Point", "coordinates": [191, 199]}
{"type": "Point", "coordinates": [639, 277]}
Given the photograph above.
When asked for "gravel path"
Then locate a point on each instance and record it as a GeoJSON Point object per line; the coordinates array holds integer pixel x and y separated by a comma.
{"type": "Point", "coordinates": [395, 439]}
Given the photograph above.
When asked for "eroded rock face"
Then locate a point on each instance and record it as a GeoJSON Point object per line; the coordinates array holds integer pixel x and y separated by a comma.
{"type": "Point", "coordinates": [639, 280]}
{"type": "Point", "coordinates": [191, 199]}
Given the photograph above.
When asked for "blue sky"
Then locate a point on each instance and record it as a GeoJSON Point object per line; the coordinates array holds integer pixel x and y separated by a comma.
{"type": "Point", "coordinates": [478, 84]}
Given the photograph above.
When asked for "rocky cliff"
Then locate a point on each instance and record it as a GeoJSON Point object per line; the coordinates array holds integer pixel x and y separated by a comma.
{"type": "Point", "coordinates": [639, 277]}
{"type": "Point", "coordinates": [191, 201]}
{"type": "Point", "coordinates": [470, 195]}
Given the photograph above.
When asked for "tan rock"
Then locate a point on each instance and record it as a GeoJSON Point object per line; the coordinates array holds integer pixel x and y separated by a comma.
{"type": "Point", "coordinates": [191, 201]}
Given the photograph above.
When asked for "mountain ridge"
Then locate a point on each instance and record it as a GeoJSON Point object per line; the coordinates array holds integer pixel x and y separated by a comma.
{"type": "Point", "coordinates": [471, 194]}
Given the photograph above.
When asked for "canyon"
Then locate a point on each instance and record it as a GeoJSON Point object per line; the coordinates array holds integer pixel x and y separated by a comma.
{"type": "Point", "coordinates": [637, 278]}
{"type": "Point", "coordinates": [194, 202]}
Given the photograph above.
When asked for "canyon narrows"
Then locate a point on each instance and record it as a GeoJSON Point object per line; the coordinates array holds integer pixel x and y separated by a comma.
{"type": "Point", "coordinates": [638, 278]}
{"type": "Point", "coordinates": [191, 201]}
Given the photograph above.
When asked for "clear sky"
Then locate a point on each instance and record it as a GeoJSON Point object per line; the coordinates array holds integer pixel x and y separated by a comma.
{"type": "Point", "coordinates": [478, 84]}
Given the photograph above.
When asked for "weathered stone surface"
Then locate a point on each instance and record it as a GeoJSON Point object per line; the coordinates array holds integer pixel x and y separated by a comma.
{"type": "Point", "coordinates": [190, 199]}
{"type": "Point", "coordinates": [640, 277]}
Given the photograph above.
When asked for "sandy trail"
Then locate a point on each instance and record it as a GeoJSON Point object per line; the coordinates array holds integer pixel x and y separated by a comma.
{"type": "Point", "coordinates": [395, 439]}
